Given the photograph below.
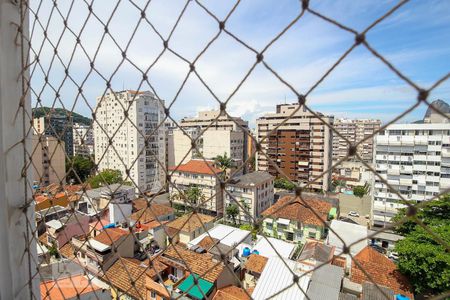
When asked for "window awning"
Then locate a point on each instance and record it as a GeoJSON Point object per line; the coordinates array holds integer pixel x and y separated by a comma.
{"type": "Point", "coordinates": [283, 221]}
{"type": "Point", "coordinates": [196, 291]}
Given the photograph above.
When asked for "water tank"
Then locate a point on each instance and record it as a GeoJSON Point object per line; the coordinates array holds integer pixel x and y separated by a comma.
{"type": "Point", "coordinates": [110, 225]}
{"type": "Point", "coordinates": [401, 297]}
{"type": "Point", "coordinates": [246, 252]}
{"type": "Point", "coordinates": [255, 252]}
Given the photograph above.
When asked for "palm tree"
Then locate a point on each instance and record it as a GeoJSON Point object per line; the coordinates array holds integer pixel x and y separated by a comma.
{"type": "Point", "coordinates": [223, 162]}
{"type": "Point", "coordinates": [194, 195]}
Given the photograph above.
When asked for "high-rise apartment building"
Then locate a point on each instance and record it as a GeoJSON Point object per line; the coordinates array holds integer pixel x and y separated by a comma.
{"type": "Point", "coordinates": [48, 160]}
{"type": "Point", "coordinates": [301, 146]}
{"type": "Point", "coordinates": [415, 160]}
{"type": "Point", "coordinates": [83, 140]}
{"type": "Point", "coordinates": [58, 126]}
{"type": "Point", "coordinates": [127, 137]}
{"type": "Point", "coordinates": [223, 135]}
{"type": "Point", "coordinates": [355, 130]}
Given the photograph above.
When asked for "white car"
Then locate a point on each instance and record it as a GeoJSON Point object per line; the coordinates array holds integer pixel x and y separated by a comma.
{"type": "Point", "coordinates": [353, 214]}
{"type": "Point", "coordinates": [393, 256]}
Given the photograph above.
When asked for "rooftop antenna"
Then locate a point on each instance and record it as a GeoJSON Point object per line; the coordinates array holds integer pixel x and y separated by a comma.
{"type": "Point", "coordinates": [285, 99]}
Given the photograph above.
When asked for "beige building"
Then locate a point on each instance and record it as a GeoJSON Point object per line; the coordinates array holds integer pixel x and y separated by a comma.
{"type": "Point", "coordinates": [186, 228]}
{"type": "Point", "coordinates": [353, 173]}
{"type": "Point", "coordinates": [355, 130]}
{"type": "Point", "coordinates": [49, 160]}
{"type": "Point", "coordinates": [223, 135]}
{"type": "Point", "coordinates": [138, 144]}
{"type": "Point", "coordinates": [253, 192]}
{"type": "Point", "coordinates": [301, 147]}
{"type": "Point", "coordinates": [83, 140]}
{"type": "Point", "coordinates": [201, 174]}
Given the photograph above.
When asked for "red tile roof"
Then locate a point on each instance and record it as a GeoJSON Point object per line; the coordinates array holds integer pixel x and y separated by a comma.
{"type": "Point", "coordinates": [231, 292]}
{"type": "Point", "coordinates": [381, 270]}
{"type": "Point", "coordinates": [188, 223]}
{"type": "Point", "coordinates": [67, 288]}
{"type": "Point", "coordinates": [198, 167]}
{"type": "Point", "coordinates": [110, 235]}
{"type": "Point", "coordinates": [255, 263]}
{"type": "Point", "coordinates": [303, 210]}
{"type": "Point", "coordinates": [151, 213]}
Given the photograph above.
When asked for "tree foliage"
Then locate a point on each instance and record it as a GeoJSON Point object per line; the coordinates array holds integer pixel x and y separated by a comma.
{"type": "Point", "coordinates": [194, 195]}
{"type": "Point", "coordinates": [361, 190]}
{"type": "Point", "coordinates": [106, 177]}
{"type": "Point", "coordinates": [283, 183]}
{"type": "Point", "coordinates": [232, 211]}
{"type": "Point", "coordinates": [424, 260]}
{"type": "Point", "coordinates": [78, 169]}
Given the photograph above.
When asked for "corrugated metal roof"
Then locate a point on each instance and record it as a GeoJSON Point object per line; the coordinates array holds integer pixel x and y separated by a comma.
{"type": "Point", "coordinates": [276, 281]}
{"type": "Point", "coordinates": [326, 283]}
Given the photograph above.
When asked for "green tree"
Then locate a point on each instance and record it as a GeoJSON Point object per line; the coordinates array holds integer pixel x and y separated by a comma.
{"type": "Point", "coordinates": [361, 190]}
{"type": "Point", "coordinates": [78, 167]}
{"type": "Point", "coordinates": [232, 211]}
{"type": "Point", "coordinates": [283, 183]}
{"type": "Point", "coordinates": [105, 177]}
{"type": "Point", "coordinates": [194, 195]}
{"type": "Point", "coordinates": [421, 258]}
{"type": "Point", "coordinates": [224, 163]}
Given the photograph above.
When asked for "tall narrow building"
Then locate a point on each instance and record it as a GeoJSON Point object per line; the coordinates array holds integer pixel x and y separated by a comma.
{"type": "Point", "coordinates": [415, 160]}
{"type": "Point", "coordinates": [355, 130]}
{"type": "Point", "coordinates": [83, 140]}
{"type": "Point", "coordinates": [58, 126]}
{"type": "Point", "coordinates": [127, 137]}
{"type": "Point", "coordinates": [301, 146]}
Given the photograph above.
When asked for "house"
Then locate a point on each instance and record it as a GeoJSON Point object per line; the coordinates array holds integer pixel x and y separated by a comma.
{"type": "Point", "coordinates": [96, 253]}
{"type": "Point", "coordinates": [59, 232]}
{"type": "Point", "coordinates": [202, 174]}
{"type": "Point", "coordinates": [314, 252]}
{"type": "Point", "coordinates": [189, 226]}
{"type": "Point", "coordinates": [252, 192]}
{"type": "Point", "coordinates": [380, 270]}
{"type": "Point", "coordinates": [227, 235]}
{"type": "Point", "coordinates": [326, 282]}
{"type": "Point", "coordinates": [75, 287]}
{"type": "Point", "coordinates": [252, 270]}
{"type": "Point", "coordinates": [352, 235]}
{"type": "Point", "coordinates": [276, 281]}
{"type": "Point", "coordinates": [186, 266]}
{"type": "Point", "coordinates": [127, 277]}
{"type": "Point", "coordinates": [384, 239]}
{"type": "Point", "coordinates": [151, 212]}
{"type": "Point", "coordinates": [231, 293]}
{"type": "Point", "coordinates": [297, 219]}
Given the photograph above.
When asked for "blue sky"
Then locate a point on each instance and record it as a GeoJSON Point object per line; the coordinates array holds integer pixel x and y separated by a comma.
{"type": "Point", "coordinates": [416, 39]}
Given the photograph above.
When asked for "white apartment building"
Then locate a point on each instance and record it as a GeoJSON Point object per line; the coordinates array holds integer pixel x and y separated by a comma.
{"type": "Point", "coordinates": [254, 193]}
{"type": "Point", "coordinates": [200, 174]}
{"type": "Point", "coordinates": [415, 160]}
{"type": "Point", "coordinates": [223, 135]}
{"type": "Point", "coordinates": [301, 147]}
{"type": "Point", "coordinates": [353, 173]}
{"type": "Point", "coordinates": [355, 130]}
{"type": "Point", "coordinates": [137, 143]}
{"type": "Point", "coordinates": [83, 140]}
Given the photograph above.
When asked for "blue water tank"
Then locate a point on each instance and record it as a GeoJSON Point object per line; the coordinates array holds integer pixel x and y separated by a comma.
{"type": "Point", "coordinates": [246, 252]}
{"type": "Point", "coordinates": [255, 252]}
{"type": "Point", "coordinates": [401, 297]}
{"type": "Point", "coordinates": [110, 225]}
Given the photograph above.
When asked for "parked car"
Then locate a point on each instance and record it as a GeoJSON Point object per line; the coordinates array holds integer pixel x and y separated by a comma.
{"type": "Point", "coordinates": [378, 248]}
{"type": "Point", "coordinates": [353, 214]}
{"type": "Point", "coordinates": [393, 256]}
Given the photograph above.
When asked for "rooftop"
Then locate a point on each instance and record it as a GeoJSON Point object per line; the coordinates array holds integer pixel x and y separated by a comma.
{"type": "Point", "coordinates": [255, 263]}
{"type": "Point", "coordinates": [151, 213]}
{"type": "Point", "coordinates": [326, 282]}
{"type": "Point", "coordinates": [110, 235]}
{"type": "Point", "coordinates": [227, 235]}
{"type": "Point", "coordinates": [67, 288]}
{"type": "Point", "coordinates": [251, 179]}
{"type": "Point", "coordinates": [298, 209]}
{"type": "Point", "coordinates": [371, 292]}
{"type": "Point", "coordinates": [107, 190]}
{"type": "Point", "coordinates": [189, 222]}
{"type": "Point", "coordinates": [349, 233]}
{"type": "Point", "coordinates": [231, 292]}
{"type": "Point", "coordinates": [197, 166]}
{"type": "Point", "coordinates": [198, 291]}
{"type": "Point", "coordinates": [317, 251]}
{"type": "Point", "coordinates": [382, 271]}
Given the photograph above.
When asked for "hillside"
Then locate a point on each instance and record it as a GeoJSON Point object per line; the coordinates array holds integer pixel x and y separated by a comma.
{"type": "Point", "coordinates": [77, 118]}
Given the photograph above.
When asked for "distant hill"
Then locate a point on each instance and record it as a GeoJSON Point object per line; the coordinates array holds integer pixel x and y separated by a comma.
{"type": "Point", "coordinates": [439, 105]}
{"type": "Point", "coordinates": [77, 118]}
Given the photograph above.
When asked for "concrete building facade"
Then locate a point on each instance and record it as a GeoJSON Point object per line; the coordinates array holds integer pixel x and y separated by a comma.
{"type": "Point", "coordinates": [301, 147]}
{"type": "Point", "coordinates": [415, 160]}
{"type": "Point", "coordinates": [355, 130]}
{"type": "Point", "coordinates": [58, 126]}
{"type": "Point", "coordinates": [49, 160]}
{"type": "Point", "coordinates": [83, 140]}
{"type": "Point", "coordinates": [139, 144]}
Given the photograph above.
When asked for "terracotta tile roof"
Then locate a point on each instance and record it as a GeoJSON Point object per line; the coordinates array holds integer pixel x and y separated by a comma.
{"type": "Point", "coordinates": [255, 263]}
{"type": "Point", "coordinates": [207, 242]}
{"type": "Point", "coordinates": [43, 238]}
{"type": "Point", "coordinates": [198, 263]}
{"type": "Point", "coordinates": [250, 290]}
{"type": "Point", "coordinates": [110, 235]}
{"type": "Point", "coordinates": [231, 292]}
{"type": "Point", "coordinates": [198, 167]}
{"type": "Point", "coordinates": [122, 273]}
{"type": "Point", "coordinates": [67, 251]}
{"type": "Point", "coordinates": [189, 222]}
{"type": "Point", "coordinates": [382, 271]}
{"type": "Point", "coordinates": [139, 204]}
{"type": "Point", "coordinates": [148, 214]}
{"type": "Point", "coordinates": [67, 288]}
{"type": "Point", "coordinates": [298, 211]}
